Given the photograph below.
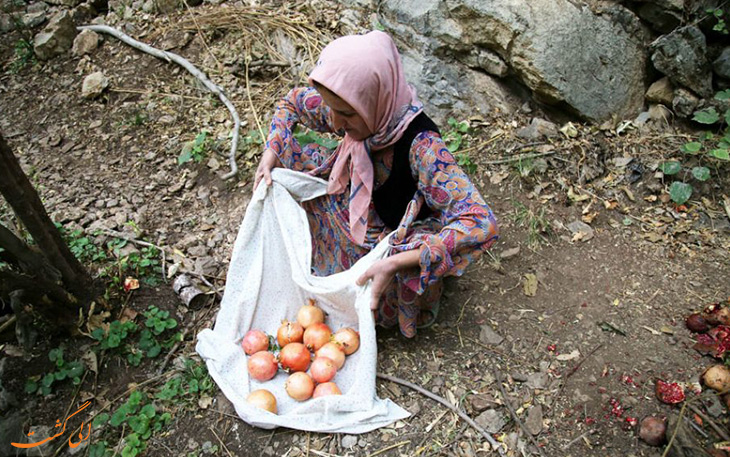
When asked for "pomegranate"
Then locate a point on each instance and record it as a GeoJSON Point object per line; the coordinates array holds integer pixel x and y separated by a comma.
{"type": "Point", "coordinates": [717, 314]}
{"type": "Point", "coordinates": [299, 386]}
{"type": "Point", "coordinates": [295, 357]}
{"type": "Point", "coordinates": [669, 392]}
{"type": "Point", "coordinates": [696, 323]}
{"type": "Point", "coordinates": [262, 365]}
{"type": "Point", "coordinates": [715, 342]}
{"type": "Point", "coordinates": [289, 332]}
{"type": "Point", "coordinates": [309, 315]}
{"type": "Point", "coordinates": [653, 430]}
{"type": "Point", "coordinates": [717, 377]}
{"type": "Point", "coordinates": [255, 341]}
{"type": "Point", "coordinates": [327, 388]}
{"type": "Point", "coordinates": [333, 352]}
{"type": "Point", "coordinates": [317, 335]}
{"type": "Point", "coordinates": [323, 369]}
{"type": "Point", "coordinates": [263, 399]}
{"type": "Point", "coordinates": [348, 339]}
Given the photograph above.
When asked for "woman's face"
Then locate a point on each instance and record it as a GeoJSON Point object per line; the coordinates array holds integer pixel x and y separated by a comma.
{"type": "Point", "coordinates": [345, 116]}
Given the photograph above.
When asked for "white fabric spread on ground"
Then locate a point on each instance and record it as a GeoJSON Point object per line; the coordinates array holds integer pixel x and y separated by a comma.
{"type": "Point", "coordinates": [269, 279]}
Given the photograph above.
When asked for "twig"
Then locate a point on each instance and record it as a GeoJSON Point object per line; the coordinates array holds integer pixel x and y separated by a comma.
{"type": "Point", "coordinates": [572, 442]}
{"type": "Point", "coordinates": [172, 57]}
{"type": "Point", "coordinates": [202, 37]}
{"type": "Point", "coordinates": [577, 365]}
{"type": "Point", "coordinates": [250, 100]}
{"type": "Point", "coordinates": [8, 323]}
{"type": "Point", "coordinates": [444, 402]}
{"type": "Point", "coordinates": [676, 429]}
{"type": "Point", "coordinates": [159, 94]}
{"type": "Point", "coordinates": [520, 157]}
{"type": "Point", "coordinates": [712, 423]}
{"type": "Point", "coordinates": [218, 437]}
{"type": "Point", "coordinates": [386, 449]}
{"type": "Point", "coordinates": [498, 377]}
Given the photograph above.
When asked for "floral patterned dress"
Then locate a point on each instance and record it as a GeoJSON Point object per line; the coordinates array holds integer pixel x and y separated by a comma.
{"type": "Point", "coordinates": [460, 226]}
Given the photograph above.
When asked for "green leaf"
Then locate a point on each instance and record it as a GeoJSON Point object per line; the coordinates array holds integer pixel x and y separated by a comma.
{"type": "Point", "coordinates": [31, 387]}
{"type": "Point", "coordinates": [722, 154]}
{"type": "Point", "coordinates": [701, 173]}
{"type": "Point", "coordinates": [154, 351]}
{"type": "Point", "coordinates": [692, 147]}
{"type": "Point", "coordinates": [186, 155]}
{"type": "Point", "coordinates": [200, 140]}
{"type": "Point", "coordinates": [680, 192]}
{"type": "Point", "coordinates": [723, 95]}
{"type": "Point", "coordinates": [48, 380]}
{"type": "Point", "coordinates": [135, 398]}
{"type": "Point", "coordinates": [119, 416]}
{"type": "Point", "coordinates": [706, 116]}
{"type": "Point", "coordinates": [55, 354]}
{"type": "Point", "coordinates": [148, 410]}
{"type": "Point", "coordinates": [100, 420]}
{"type": "Point", "coordinates": [670, 168]}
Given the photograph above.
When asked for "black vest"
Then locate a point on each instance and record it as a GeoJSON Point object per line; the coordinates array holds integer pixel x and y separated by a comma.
{"type": "Point", "coordinates": [393, 196]}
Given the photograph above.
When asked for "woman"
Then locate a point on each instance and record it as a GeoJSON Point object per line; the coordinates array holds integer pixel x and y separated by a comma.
{"type": "Point", "coordinates": [391, 171]}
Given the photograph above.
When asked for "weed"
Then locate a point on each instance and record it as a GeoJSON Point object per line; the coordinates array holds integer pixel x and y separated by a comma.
{"type": "Point", "coordinates": [64, 370]}
{"type": "Point", "coordinates": [194, 150]}
{"type": "Point", "coordinates": [721, 25]}
{"type": "Point", "coordinates": [456, 136]}
{"type": "Point", "coordinates": [81, 246]}
{"type": "Point", "coordinates": [537, 225]}
{"type": "Point", "coordinates": [715, 148]}
{"type": "Point", "coordinates": [24, 55]}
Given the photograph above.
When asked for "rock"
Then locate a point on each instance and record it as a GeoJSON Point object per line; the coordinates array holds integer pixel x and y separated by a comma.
{"type": "Point", "coordinates": [33, 20]}
{"type": "Point", "coordinates": [56, 38]}
{"type": "Point", "coordinates": [486, 60]}
{"type": "Point", "coordinates": [94, 85]}
{"type": "Point", "coordinates": [40, 432]}
{"type": "Point", "coordinates": [491, 421]}
{"type": "Point", "coordinates": [534, 38]}
{"type": "Point", "coordinates": [684, 103]}
{"type": "Point", "coordinates": [69, 3]}
{"type": "Point", "coordinates": [11, 430]}
{"type": "Point", "coordinates": [682, 55]}
{"type": "Point", "coordinates": [538, 128]}
{"type": "Point", "coordinates": [661, 19]}
{"type": "Point", "coordinates": [661, 91]}
{"type": "Point", "coordinates": [538, 380]}
{"type": "Point", "coordinates": [489, 336]}
{"type": "Point", "coordinates": [482, 402]}
{"type": "Point", "coordinates": [349, 441]}
{"type": "Point", "coordinates": [7, 24]}
{"type": "Point", "coordinates": [659, 114]}
{"type": "Point", "coordinates": [85, 42]}
{"type": "Point", "coordinates": [167, 6]}
{"type": "Point", "coordinates": [534, 420]}
{"type": "Point", "coordinates": [509, 253]}
{"type": "Point", "coordinates": [580, 230]}
{"type": "Point", "coordinates": [37, 7]}
{"type": "Point", "coordinates": [721, 65]}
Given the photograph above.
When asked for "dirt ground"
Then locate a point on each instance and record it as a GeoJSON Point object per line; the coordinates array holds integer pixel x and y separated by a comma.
{"type": "Point", "coordinates": [576, 326]}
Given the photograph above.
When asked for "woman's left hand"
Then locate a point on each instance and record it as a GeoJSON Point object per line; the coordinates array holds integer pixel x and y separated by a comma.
{"type": "Point", "coordinates": [381, 273]}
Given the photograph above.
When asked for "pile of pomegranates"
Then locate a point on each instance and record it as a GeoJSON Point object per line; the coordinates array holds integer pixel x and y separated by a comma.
{"type": "Point", "coordinates": [297, 341]}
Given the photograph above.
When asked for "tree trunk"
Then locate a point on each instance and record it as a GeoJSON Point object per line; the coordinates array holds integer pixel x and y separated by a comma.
{"type": "Point", "coordinates": [22, 197]}
{"type": "Point", "coordinates": [47, 275]}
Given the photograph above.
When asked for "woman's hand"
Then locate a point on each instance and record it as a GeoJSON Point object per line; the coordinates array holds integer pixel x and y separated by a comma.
{"type": "Point", "coordinates": [383, 271]}
{"type": "Point", "coordinates": [269, 161]}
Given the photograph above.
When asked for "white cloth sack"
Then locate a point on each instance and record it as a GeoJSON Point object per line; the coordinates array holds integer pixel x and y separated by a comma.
{"type": "Point", "coordinates": [269, 279]}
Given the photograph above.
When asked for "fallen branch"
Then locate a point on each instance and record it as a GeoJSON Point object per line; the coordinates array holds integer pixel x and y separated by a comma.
{"type": "Point", "coordinates": [575, 368]}
{"type": "Point", "coordinates": [444, 402]}
{"type": "Point", "coordinates": [520, 157]}
{"type": "Point", "coordinates": [722, 433]}
{"type": "Point", "coordinates": [676, 429]}
{"type": "Point", "coordinates": [513, 413]}
{"type": "Point", "coordinates": [172, 57]}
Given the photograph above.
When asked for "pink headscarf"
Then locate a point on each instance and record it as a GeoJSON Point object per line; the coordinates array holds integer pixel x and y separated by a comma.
{"type": "Point", "coordinates": [365, 71]}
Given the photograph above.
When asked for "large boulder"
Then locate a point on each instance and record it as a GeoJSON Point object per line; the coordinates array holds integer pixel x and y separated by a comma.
{"type": "Point", "coordinates": [663, 15]}
{"type": "Point", "coordinates": [564, 53]}
{"type": "Point", "coordinates": [682, 55]}
{"type": "Point", "coordinates": [56, 38]}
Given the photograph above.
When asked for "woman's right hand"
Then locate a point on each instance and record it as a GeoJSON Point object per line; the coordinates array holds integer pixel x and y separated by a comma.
{"type": "Point", "coordinates": [269, 161]}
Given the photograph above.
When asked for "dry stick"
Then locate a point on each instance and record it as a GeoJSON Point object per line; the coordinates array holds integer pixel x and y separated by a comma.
{"type": "Point", "coordinates": [386, 449]}
{"type": "Point", "coordinates": [498, 377]}
{"type": "Point", "coordinates": [250, 100]}
{"type": "Point", "coordinates": [172, 57]}
{"type": "Point", "coordinates": [444, 402]}
{"type": "Point", "coordinates": [159, 94]}
{"type": "Point", "coordinates": [218, 437]}
{"type": "Point", "coordinates": [712, 423]}
{"type": "Point", "coordinates": [575, 368]}
{"type": "Point", "coordinates": [572, 442]}
{"type": "Point", "coordinates": [520, 157]}
{"type": "Point", "coordinates": [8, 323]}
{"type": "Point", "coordinates": [676, 429]}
